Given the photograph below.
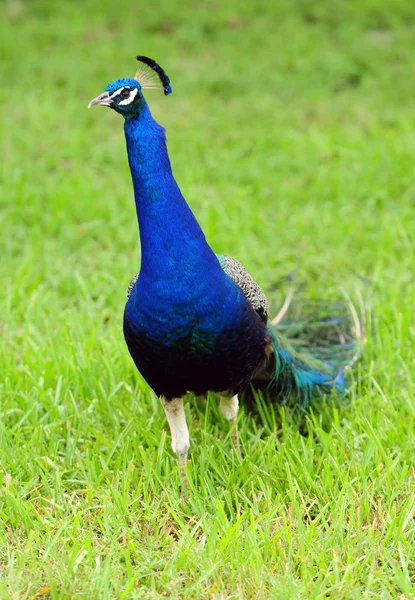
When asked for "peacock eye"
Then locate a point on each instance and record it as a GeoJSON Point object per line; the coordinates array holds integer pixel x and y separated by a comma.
{"type": "Point", "coordinates": [125, 94]}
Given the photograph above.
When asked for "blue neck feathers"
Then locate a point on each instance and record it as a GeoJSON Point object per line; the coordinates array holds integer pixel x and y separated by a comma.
{"type": "Point", "coordinates": [172, 241]}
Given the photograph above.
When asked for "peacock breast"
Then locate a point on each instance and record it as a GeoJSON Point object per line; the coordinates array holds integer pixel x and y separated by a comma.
{"type": "Point", "coordinates": [214, 344]}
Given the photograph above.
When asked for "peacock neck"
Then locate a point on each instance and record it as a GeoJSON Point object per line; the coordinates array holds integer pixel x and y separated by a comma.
{"type": "Point", "coordinates": [169, 232]}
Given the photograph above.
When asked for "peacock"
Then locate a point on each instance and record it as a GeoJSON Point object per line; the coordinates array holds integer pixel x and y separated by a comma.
{"type": "Point", "coordinates": [195, 321]}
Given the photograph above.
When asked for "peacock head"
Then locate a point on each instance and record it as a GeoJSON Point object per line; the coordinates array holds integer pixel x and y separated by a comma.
{"type": "Point", "coordinates": [125, 95]}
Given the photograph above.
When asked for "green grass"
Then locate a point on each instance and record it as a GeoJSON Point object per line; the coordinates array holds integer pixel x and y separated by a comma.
{"type": "Point", "coordinates": [291, 132]}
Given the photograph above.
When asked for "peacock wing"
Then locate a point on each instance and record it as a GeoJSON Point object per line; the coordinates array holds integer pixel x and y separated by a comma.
{"type": "Point", "coordinates": [132, 284]}
{"type": "Point", "coordinates": [246, 283]}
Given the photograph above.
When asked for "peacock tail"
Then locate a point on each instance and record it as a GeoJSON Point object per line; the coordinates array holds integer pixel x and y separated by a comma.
{"type": "Point", "coordinates": [314, 346]}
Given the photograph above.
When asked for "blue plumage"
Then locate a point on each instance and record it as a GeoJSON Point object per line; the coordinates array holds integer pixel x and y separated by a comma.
{"type": "Point", "coordinates": [190, 322]}
{"type": "Point", "coordinates": [183, 307]}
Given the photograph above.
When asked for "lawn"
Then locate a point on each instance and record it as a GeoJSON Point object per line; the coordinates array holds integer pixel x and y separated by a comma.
{"type": "Point", "coordinates": [291, 133]}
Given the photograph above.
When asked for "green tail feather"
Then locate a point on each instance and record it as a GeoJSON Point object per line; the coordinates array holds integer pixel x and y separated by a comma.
{"type": "Point", "coordinates": [313, 348]}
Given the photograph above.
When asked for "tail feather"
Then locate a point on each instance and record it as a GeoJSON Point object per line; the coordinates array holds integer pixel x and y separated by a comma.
{"type": "Point", "coordinates": [312, 350]}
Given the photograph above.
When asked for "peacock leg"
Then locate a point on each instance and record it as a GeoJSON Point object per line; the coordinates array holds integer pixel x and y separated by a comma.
{"type": "Point", "coordinates": [229, 408]}
{"type": "Point", "coordinates": [176, 418]}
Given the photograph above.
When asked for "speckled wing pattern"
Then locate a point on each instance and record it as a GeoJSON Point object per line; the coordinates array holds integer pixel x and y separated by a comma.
{"type": "Point", "coordinates": [132, 284]}
{"type": "Point", "coordinates": [246, 283]}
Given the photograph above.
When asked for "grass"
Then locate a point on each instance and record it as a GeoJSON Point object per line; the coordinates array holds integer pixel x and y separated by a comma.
{"type": "Point", "coordinates": [291, 132]}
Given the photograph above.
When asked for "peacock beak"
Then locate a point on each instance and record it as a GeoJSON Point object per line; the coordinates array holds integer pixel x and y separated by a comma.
{"type": "Point", "coordinates": [103, 99]}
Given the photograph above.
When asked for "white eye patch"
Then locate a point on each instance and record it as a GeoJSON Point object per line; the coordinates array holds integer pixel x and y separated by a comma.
{"type": "Point", "coordinates": [130, 99]}
{"type": "Point", "coordinates": [116, 93]}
